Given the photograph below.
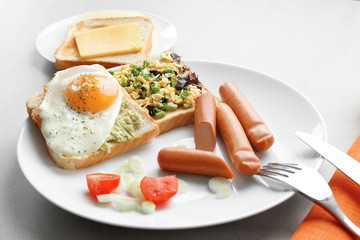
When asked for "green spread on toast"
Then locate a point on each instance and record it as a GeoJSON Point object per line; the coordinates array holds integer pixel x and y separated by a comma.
{"type": "Point", "coordinates": [125, 125]}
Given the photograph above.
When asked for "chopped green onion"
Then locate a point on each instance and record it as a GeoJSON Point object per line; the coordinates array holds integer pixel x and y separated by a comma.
{"type": "Point", "coordinates": [156, 110]}
{"type": "Point", "coordinates": [154, 88]}
{"type": "Point", "coordinates": [170, 69]}
{"type": "Point", "coordinates": [146, 77]}
{"type": "Point", "coordinates": [143, 92]}
{"type": "Point", "coordinates": [186, 105]}
{"type": "Point", "coordinates": [187, 88]}
{"type": "Point", "coordinates": [160, 114]}
{"type": "Point", "coordinates": [128, 75]}
{"type": "Point", "coordinates": [125, 84]}
{"type": "Point", "coordinates": [140, 68]}
{"type": "Point", "coordinates": [133, 66]}
{"type": "Point", "coordinates": [137, 83]}
{"type": "Point", "coordinates": [184, 94]}
{"type": "Point", "coordinates": [164, 107]}
{"type": "Point", "coordinates": [172, 106]}
{"type": "Point", "coordinates": [111, 72]}
{"type": "Point", "coordinates": [146, 63]}
{"type": "Point", "coordinates": [173, 83]}
{"type": "Point", "coordinates": [135, 72]}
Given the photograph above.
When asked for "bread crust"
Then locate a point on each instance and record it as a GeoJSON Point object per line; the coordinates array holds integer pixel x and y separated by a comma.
{"type": "Point", "coordinates": [117, 148]}
{"type": "Point", "coordinates": [67, 55]}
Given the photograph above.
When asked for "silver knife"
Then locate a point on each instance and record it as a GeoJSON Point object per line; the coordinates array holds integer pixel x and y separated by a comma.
{"type": "Point", "coordinates": [349, 166]}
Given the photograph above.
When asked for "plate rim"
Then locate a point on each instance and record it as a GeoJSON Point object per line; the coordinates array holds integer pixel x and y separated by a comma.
{"type": "Point", "coordinates": [283, 198]}
{"type": "Point", "coordinates": [73, 17]}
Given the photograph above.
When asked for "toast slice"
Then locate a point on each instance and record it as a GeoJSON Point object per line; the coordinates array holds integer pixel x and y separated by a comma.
{"type": "Point", "coordinates": [67, 55]}
{"type": "Point", "coordinates": [147, 130]}
{"type": "Point", "coordinates": [171, 79]}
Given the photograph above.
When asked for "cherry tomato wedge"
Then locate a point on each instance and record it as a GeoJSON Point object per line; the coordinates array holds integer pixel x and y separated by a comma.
{"type": "Point", "coordinates": [102, 183]}
{"type": "Point", "coordinates": [159, 189]}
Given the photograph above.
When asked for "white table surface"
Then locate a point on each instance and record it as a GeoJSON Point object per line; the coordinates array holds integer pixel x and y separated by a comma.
{"type": "Point", "coordinates": [312, 45]}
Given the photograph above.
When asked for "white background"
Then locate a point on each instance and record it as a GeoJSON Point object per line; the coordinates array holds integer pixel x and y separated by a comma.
{"type": "Point", "coordinates": [312, 45]}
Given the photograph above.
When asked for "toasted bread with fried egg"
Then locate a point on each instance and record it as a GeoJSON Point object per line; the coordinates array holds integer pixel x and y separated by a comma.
{"type": "Point", "coordinates": [148, 130]}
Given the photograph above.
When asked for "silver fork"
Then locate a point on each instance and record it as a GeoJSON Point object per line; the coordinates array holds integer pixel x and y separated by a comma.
{"type": "Point", "coordinates": [310, 184]}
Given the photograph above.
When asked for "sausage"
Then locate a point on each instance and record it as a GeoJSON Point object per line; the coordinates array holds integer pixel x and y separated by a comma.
{"type": "Point", "coordinates": [205, 122]}
{"type": "Point", "coordinates": [193, 161]}
{"type": "Point", "coordinates": [237, 144]}
{"type": "Point", "coordinates": [255, 128]}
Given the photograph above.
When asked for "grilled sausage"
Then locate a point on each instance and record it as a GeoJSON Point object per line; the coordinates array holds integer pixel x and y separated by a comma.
{"type": "Point", "coordinates": [255, 128]}
{"type": "Point", "coordinates": [205, 122]}
{"type": "Point", "coordinates": [236, 141]}
{"type": "Point", "coordinates": [193, 161]}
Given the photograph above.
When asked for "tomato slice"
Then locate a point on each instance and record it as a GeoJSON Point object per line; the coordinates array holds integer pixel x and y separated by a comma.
{"type": "Point", "coordinates": [102, 183]}
{"type": "Point", "coordinates": [159, 189]}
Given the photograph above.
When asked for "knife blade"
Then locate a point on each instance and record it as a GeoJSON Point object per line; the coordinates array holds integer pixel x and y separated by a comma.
{"type": "Point", "coordinates": [349, 166]}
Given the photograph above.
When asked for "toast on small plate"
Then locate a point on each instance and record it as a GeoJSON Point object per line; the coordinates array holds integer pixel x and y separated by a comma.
{"type": "Point", "coordinates": [67, 55]}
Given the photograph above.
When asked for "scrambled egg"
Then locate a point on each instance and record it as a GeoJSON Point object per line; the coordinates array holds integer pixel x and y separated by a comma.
{"type": "Point", "coordinates": [160, 85]}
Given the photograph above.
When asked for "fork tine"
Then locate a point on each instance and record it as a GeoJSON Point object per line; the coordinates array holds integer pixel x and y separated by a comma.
{"type": "Point", "coordinates": [269, 173]}
{"type": "Point", "coordinates": [287, 165]}
{"type": "Point", "coordinates": [272, 168]}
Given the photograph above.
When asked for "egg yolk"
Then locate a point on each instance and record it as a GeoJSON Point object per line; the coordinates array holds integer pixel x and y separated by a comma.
{"type": "Point", "coordinates": [91, 93]}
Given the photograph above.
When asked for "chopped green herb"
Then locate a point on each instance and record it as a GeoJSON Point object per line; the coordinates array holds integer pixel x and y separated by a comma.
{"type": "Point", "coordinates": [169, 69]}
{"type": "Point", "coordinates": [173, 83]}
{"type": "Point", "coordinates": [137, 83]}
{"type": "Point", "coordinates": [140, 68]}
{"type": "Point", "coordinates": [156, 110]}
{"type": "Point", "coordinates": [172, 106]}
{"type": "Point", "coordinates": [111, 72]}
{"type": "Point", "coordinates": [127, 75]}
{"type": "Point", "coordinates": [125, 84]}
{"type": "Point", "coordinates": [146, 63]}
{"type": "Point", "coordinates": [133, 66]}
{"type": "Point", "coordinates": [143, 92]}
{"type": "Point", "coordinates": [160, 114]}
{"type": "Point", "coordinates": [186, 105]}
{"type": "Point", "coordinates": [184, 94]}
{"type": "Point", "coordinates": [154, 88]}
{"type": "Point", "coordinates": [135, 72]}
{"type": "Point", "coordinates": [164, 107]}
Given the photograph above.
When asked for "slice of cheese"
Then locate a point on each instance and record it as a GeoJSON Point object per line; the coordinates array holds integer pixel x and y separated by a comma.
{"type": "Point", "coordinates": [112, 40]}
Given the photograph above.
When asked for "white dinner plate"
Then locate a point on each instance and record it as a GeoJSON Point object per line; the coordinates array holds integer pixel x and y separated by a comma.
{"type": "Point", "coordinates": [51, 37]}
{"type": "Point", "coordinates": [282, 107]}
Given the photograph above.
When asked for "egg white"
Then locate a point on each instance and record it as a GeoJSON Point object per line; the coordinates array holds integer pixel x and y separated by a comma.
{"type": "Point", "coordinates": [67, 131]}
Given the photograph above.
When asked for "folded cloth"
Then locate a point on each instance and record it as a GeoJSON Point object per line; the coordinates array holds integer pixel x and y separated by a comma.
{"type": "Point", "coordinates": [319, 224]}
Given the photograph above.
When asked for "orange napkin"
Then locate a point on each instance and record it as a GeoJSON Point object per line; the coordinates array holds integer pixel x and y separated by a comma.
{"type": "Point", "coordinates": [319, 224]}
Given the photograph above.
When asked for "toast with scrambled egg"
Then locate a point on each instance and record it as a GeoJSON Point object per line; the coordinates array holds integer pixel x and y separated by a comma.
{"type": "Point", "coordinates": [67, 55]}
{"type": "Point", "coordinates": [120, 140]}
{"type": "Point", "coordinates": [164, 86]}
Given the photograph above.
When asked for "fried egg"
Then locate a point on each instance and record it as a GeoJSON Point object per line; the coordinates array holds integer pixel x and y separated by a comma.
{"type": "Point", "coordinates": [79, 110]}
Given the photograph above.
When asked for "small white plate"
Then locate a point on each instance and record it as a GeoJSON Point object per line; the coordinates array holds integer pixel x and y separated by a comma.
{"type": "Point", "coordinates": [282, 107]}
{"type": "Point", "coordinates": [50, 38]}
